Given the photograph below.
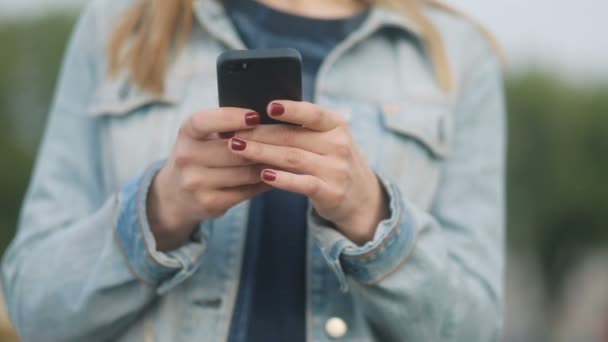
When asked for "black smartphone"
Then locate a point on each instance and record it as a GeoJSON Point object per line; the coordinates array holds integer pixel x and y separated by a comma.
{"type": "Point", "coordinates": [252, 78]}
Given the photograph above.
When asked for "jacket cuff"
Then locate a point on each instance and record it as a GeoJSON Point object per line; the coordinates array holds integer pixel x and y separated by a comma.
{"type": "Point", "coordinates": [135, 238]}
{"type": "Point", "coordinates": [393, 241]}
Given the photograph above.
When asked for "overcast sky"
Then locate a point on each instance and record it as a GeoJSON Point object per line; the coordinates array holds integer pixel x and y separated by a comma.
{"type": "Point", "coordinates": [569, 35]}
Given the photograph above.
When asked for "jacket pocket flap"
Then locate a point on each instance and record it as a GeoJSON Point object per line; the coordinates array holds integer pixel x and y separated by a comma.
{"type": "Point", "coordinates": [118, 97]}
{"type": "Point", "coordinates": [426, 123]}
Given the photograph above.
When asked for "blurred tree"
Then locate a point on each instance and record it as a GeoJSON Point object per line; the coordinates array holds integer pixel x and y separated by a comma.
{"type": "Point", "coordinates": [31, 52]}
{"type": "Point", "coordinates": [558, 201]}
{"type": "Point", "coordinates": [32, 49]}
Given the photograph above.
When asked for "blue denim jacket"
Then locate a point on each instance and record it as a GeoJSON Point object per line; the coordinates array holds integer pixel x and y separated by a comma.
{"type": "Point", "coordinates": [84, 266]}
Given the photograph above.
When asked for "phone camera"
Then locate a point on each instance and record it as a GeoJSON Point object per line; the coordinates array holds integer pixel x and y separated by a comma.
{"type": "Point", "coordinates": [237, 67]}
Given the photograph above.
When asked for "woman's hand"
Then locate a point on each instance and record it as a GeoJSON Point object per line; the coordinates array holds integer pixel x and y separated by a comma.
{"type": "Point", "coordinates": [202, 178]}
{"type": "Point", "coordinates": [320, 160]}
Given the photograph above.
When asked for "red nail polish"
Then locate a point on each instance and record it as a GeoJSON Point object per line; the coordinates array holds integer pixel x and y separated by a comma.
{"type": "Point", "coordinates": [276, 109]}
{"type": "Point", "coordinates": [238, 144]}
{"type": "Point", "coordinates": [269, 175]}
{"type": "Point", "coordinates": [226, 135]}
{"type": "Point", "coordinates": [252, 119]}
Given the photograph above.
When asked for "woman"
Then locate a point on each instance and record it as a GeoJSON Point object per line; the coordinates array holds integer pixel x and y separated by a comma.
{"type": "Point", "coordinates": [155, 215]}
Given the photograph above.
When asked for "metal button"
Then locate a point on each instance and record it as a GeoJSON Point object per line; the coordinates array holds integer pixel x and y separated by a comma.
{"type": "Point", "coordinates": [335, 327]}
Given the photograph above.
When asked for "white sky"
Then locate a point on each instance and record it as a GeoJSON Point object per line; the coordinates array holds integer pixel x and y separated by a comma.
{"type": "Point", "coordinates": [568, 35]}
{"type": "Point", "coordinates": [571, 35]}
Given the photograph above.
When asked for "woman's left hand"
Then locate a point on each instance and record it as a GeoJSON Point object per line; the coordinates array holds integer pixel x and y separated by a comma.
{"type": "Point", "coordinates": [319, 159]}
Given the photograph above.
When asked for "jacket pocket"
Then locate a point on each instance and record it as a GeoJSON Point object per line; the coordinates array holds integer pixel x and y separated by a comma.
{"type": "Point", "coordinates": [137, 127]}
{"type": "Point", "coordinates": [426, 123]}
{"type": "Point", "coordinates": [415, 145]}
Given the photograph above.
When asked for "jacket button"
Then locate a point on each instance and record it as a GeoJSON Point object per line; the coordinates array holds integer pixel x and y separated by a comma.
{"type": "Point", "coordinates": [335, 327]}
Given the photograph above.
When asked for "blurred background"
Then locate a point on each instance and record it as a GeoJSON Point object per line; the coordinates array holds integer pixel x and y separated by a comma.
{"type": "Point", "coordinates": [557, 88]}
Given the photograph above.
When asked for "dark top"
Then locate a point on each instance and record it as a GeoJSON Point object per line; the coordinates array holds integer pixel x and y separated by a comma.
{"type": "Point", "coordinates": [271, 302]}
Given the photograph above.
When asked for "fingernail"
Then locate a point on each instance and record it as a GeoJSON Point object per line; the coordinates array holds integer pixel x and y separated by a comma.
{"type": "Point", "coordinates": [276, 109]}
{"type": "Point", "coordinates": [269, 175]}
{"type": "Point", "coordinates": [252, 119]}
{"type": "Point", "coordinates": [238, 144]}
{"type": "Point", "coordinates": [226, 135]}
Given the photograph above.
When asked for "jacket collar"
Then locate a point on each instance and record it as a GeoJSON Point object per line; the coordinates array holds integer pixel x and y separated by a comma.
{"type": "Point", "coordinates": [211, 15]}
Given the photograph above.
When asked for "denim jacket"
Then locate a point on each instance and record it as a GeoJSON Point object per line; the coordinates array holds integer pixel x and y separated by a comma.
{"type": "Point", "coordinates": [84, 265]}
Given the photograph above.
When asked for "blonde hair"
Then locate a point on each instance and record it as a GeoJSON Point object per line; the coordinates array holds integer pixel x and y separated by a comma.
{"type": "Point", "coordinates": [152, 29]}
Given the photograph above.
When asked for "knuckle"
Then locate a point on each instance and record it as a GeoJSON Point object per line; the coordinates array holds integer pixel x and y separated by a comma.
{"type": "Point", "coordinates": [190, 182]}
{"type": "Point", "coordinates": [182, 158]}
{"type": "Point", "coordinates": [209, 202]}
{"type": "Point", "coordinates": [342, 149]}
{"type": "Point", "coordinates": [316, 117]}
{"type": "Point", "coordinates": [344, 131]}
{"type": "Point", "coordinates": [339, 196]}
{"type": "Point", "coordinates": [196, 120]}
{"type": "Point", "coordinates": [286, 138]}
{"type": "Point", "coordinates": [342, 173]}
{"type": "Point", "coordinates": [335, 197]}
{"type": "Point", "coordinates": [313, 186]}
{"type": "Point", "coordinates": [341, 142]}
{"type": "Point", "coordinates": [293, 158]}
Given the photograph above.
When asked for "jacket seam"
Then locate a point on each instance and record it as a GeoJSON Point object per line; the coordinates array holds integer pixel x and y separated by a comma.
{"type": "Point", "coordinates": [397, 267]}
{"type": "Point", "coordinates": [122, 251]}
{"type": "Point", "coordinates": [141, 229]}
{"type": "Point", "coordinates": [395, 230]}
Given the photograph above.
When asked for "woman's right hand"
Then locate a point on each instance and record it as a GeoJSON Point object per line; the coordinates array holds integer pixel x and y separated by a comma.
{"type": "Point", "coordinates": [202, 179]}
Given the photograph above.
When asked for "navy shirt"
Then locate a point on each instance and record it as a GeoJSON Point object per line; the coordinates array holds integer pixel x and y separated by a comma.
{"type": "Point", "coordinates": [271, 302]}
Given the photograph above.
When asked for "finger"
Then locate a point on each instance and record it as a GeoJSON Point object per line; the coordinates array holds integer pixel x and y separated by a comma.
{"type": "Point", "coordinates": [307, 114]}
{"type": "Point", "coordinates": [284, 135]}
{"type": "Point", "coordinates": [234, 196]}
{"type": "Point", "coordinates": [226, 135]}
{"type": "Point", "coordinates": [308, 185]}
{"type": "Point", "coordinates": [224, 199]}
{"type": "Point", "coordinates": [207, 153]}
{"type": "Point", "coordinates": [220, 178]}
{"type": "Point", "coordinates": [203, 124]}
{"type": "Point", "coordinates": [290, 158]}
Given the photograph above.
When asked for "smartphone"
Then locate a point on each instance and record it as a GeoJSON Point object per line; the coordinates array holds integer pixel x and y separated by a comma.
{"type": "Point", "coordinates": [253, 78]}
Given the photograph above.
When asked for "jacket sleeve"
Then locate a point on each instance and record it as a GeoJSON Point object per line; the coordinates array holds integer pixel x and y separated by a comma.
{"type": "Point", "coordinates": [436, 275]}
{"type": "Point", "coordinates": [83, 265]}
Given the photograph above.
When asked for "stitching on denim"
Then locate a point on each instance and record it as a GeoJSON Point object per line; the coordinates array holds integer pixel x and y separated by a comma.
{"type": "Point", "coordinates": [141, 193]}
{"type": "Point", "coordinates": [395, 231]}
{"type": "Point", "coordinates": [397, 267]}
{"type": "Point", "coordinates": [121, 248]}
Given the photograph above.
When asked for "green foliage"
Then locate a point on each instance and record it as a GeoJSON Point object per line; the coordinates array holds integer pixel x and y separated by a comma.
{"type": "Point", "coordinates": [557, 154]}
{"type": "Point", "coordinates": [558, 198]}
{"type": "Point", "coordinates": [13, 178]}
{"type": "Point", "coordinates": [32, 50]}
{"type": "Point", "coordinates": [30, 57]}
